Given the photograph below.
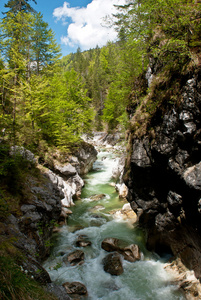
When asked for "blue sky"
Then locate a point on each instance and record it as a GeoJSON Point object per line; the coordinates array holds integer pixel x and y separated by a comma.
{"type": "Point", "coordinates": [77, 23]}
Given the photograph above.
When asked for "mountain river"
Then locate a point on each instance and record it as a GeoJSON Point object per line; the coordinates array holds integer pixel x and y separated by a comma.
{"type": "Point", "coordinates": [142, 280]}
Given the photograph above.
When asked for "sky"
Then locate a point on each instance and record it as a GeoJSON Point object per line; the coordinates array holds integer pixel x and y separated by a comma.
{"type": "Point", "coordinates": [77, 23]}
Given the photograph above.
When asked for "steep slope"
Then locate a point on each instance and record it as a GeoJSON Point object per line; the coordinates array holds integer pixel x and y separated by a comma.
{"type": "Point", "coordinates": [163, 171]}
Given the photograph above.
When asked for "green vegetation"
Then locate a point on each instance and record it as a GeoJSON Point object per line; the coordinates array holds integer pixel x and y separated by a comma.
{"type": "Point", "coordinates": [165, 34]}
{"type": "Point", "coordinates": [16, 284]}
{"type": "Point", "coordinates": [38, 100]}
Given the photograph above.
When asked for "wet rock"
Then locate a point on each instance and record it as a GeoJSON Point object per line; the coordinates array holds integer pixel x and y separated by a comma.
{"type": "Point", "coordinates": [126, 213]}
{"type": "Point", "coordinates": [110, 286]}
{"type": "Point", "coordinates": [97, 208]}
{"type": "Point", "coordinates": [122, 190]}
{"type": "Point", "coordinates": [97, 220]}
{"type": "Point", "coordinates": [97, 197]}
{"type": "Point", "coordinates": [110, 244]}
{"type": "Point", "coordinates": [59, 291]}
{"type": "Point", "coordinates": [131, 253]}
{"type": "Point", "coordinates": [75, 258]}
{"type": "Point", "coordinates": [75, 289]}
{"type": "Point", "coordinates": [185, 279]}
{"type": "Point", "coordinates": [112, 264]}
{"type": "Point", "coordinates": [83, 241]}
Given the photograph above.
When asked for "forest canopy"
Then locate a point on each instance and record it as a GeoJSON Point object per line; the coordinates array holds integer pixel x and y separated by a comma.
{"type": "Point", "coordinates": [38, 100]}
{"type": "Point", "coordinates": [46, 97]}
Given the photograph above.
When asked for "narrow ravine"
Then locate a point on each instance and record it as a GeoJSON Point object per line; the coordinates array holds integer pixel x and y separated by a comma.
{"type": "Point", "coordinates": [143, 280]}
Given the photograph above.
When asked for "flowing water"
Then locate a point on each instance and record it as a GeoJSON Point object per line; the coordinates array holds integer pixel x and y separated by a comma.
{"type": "Point", "coordinates": [143, 280]}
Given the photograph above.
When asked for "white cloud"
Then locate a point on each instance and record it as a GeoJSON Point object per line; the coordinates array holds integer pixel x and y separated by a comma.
{"type": "Point", "coordinates": [87, 28]}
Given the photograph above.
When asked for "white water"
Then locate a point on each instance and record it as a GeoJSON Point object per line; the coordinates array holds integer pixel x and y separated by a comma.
{"type": "Point", "coordinates": [142, 280]}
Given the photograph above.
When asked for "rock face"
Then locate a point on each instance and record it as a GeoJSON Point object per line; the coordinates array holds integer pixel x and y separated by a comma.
{"type": "Point", "coordinates": [26, 154]}
{"type": "Point", "coordinates": [45, 196]}
{"type": "Point", "coordinates": [29, 228]}
{"type": "Point", "coordinates": [164, 181]}
{"type": "Point", "coordinates": [86, 156]}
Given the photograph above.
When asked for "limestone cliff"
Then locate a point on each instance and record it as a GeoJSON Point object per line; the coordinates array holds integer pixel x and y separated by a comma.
{"type": "Point", "coordinates": [163, 171]}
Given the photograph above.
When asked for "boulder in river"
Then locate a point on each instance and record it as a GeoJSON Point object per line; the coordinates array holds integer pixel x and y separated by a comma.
{"type": "Point", "coordinates": [97, 197]}
{"type": "Point", "coordinates": [75, 289]}
{"type": "Point", "coordinates": [59, 291]}
{"type": "Point", "coordinates": [97, 208]}
{"type": "Point", "coordinates": [97, 220]}
{"type": "Point", "coordinates": [82, 241]}
{"type": "Point", "coordinates": [122, 189]}
{"type": "Point", "coordinates": [130, 253]}
{"type": "Point", "coordinates": [74, 258]}
{"type": "Point", "coordinates": [110, 244]}
{"type": "Point", "coordinates": [126, 213]}
{"type": "Point", "coordinates": [112, 264]}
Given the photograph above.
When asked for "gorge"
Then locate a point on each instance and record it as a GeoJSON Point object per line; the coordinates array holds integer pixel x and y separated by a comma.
{"type": "Point", "coordinates": [96, 221]}
{"type": "Point", "coordinates": [100, 168]}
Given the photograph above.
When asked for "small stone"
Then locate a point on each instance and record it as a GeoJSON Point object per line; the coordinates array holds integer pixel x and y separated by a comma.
{"type": "Point", "coordinates": [110, 244]}
{"type": "Point", "coordinates": [82, 241]}
{"type": "Point", "coordinates": [75, 289]}
{"type": "Point", "coordinates": [97, 197]}
{"type": "Point", "coordinates": [75, 258]}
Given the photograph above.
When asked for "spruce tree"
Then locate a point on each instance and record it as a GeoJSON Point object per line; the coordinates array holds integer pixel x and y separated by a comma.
{"type": "Point", "coordinates": [15, 6]}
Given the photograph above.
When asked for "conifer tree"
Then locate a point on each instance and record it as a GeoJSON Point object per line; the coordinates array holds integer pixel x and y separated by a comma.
{"type": "Point", "coordinates": [15, 6]}
{"type": "Point", "coordinates": [45, 50]}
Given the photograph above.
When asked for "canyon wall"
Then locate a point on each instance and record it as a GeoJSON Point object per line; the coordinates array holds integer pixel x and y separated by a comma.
{"type": "Point", "coordinates": [163, 175]}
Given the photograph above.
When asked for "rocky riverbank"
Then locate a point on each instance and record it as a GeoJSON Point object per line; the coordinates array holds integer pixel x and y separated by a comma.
{"type": "Point", "coordinates": [45, 195]}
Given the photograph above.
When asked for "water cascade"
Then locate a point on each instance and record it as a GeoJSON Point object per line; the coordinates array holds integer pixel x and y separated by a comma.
{"type": "Point", "coordinates": [93, 218]}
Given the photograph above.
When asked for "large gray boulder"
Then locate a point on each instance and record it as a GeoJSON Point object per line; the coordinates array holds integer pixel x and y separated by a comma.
{"type": "Point", "coordinates": [65, 170]}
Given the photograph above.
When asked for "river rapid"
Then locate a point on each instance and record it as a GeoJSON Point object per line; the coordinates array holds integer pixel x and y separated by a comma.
{"type": "Point", "coordinates": [142, 280]}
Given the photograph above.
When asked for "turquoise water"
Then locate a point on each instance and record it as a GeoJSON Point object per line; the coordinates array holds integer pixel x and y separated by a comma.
{"type": "Point", "coordinates": [142, 280]}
